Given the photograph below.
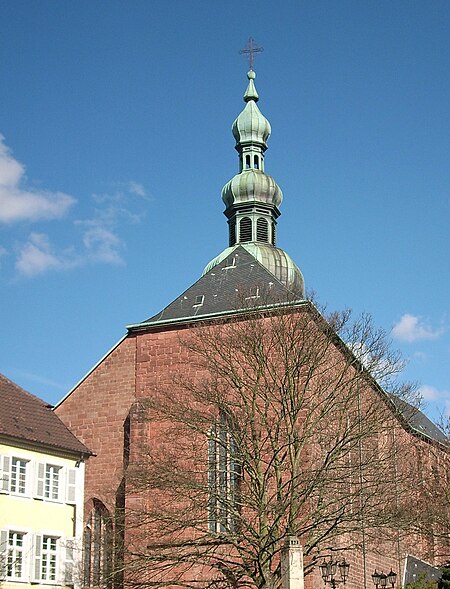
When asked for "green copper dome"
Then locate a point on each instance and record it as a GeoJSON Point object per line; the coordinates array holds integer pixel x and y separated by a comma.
{"type": "Point", "coordinates": [251, 126]}
{"type": "Point", "coordinates": [274, 259]}
{"type": "Point", "coordinates": [252, 185]}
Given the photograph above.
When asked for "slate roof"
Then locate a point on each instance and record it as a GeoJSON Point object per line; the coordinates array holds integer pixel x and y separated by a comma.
{"type": "Point", "coordinates": [419, 422]}
{"type": "Point", "coordinates": [236, 283]}
{"type": "Point", "coordinates": [24, 417]}
{"type": "Point", "coordinates": [245, 284]}
{"type": "Point", "coordinates": [416, 569]}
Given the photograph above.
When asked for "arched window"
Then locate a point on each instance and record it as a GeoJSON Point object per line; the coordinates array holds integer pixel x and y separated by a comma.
{"type": "Point", "coordinates": [247, 162]}
{"type": "Point", "coordinates": [256, 162]}
{"type": "Point", "coordinates": [262, 230]}
{"type": "Point", "coordinates": [245, 229]}
{"type": "Point", "coordinates": [223, 477]}
{"type": "Point", "coordinates": [273, 232]}
{"type": "Point", "coordinates": [97, 547]}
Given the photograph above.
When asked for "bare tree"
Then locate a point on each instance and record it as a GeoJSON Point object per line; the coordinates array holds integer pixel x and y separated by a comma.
{"type": "Point", "coordinates": [276, 426]}
{"type": "Point", "coordinates": [433, 519]}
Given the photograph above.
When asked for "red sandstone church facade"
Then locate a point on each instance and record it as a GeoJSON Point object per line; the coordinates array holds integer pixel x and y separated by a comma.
{"type": "Point", "coordinates": [252, 280]}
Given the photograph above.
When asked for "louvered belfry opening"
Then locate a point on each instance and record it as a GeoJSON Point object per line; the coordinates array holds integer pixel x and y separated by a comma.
{"type": "Point", "coordinates": [232, 232]}
{"type": "Point", "coordinates": [262, 230]}
{"type": "Point", "coordinates": [245, 230]}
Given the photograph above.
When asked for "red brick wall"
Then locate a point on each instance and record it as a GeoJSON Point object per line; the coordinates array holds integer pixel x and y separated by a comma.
{"type": "Point", "coordinates": [95, 412]}
{"type": "Point", "coordinates": [137, 368]}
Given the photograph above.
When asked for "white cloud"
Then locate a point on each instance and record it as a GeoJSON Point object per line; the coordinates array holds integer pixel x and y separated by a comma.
{"type": "Point", "coordinates": [3, 252]}
{"type": "Point", "coordinates": [38, 256]}
{"type": "Point", "coordinates": [429, 393]}
{"type": "Point", "coordinates": [102, 245]}
{"type": "Point", "coordinates": [136, 188]}
{"type": "Point", "coordinates": [35, 256]}
{"type": "Point", "coordinates": [98, 239]}
{"type": "Point", "coordinates": [18, 203]}
{"type": "Point", "coordinates": [412, 329]}
{"type": "Point", "coordinates": [438, 397]}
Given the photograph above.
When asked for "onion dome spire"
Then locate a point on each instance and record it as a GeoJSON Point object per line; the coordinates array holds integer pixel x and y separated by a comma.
{"type": "Point", "coordinates": [252, 197]}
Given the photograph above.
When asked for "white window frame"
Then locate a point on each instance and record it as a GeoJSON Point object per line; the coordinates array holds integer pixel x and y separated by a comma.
{"type": "Point", "coordinates": [46, 481]}
{"type": "Point", "coordinates": [12, 478]}
{"type": "Point", "coordinates": [18, 552]}
{"type": "Point", "coordinates": [48, 557]}
{"type": "Point", "coordinates": [52, 482]}
{"type": "Point", "coordinates": [41, 478]}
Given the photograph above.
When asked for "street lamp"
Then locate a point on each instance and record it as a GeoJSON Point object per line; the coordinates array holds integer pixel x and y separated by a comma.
{"type": "Point", "coordinates": [380, 580]}
{"type": "Point", "coordinates": [328, 570]}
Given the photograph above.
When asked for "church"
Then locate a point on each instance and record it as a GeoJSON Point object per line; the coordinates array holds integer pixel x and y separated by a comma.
{"type": "Point", "coordinates": [240, 422]}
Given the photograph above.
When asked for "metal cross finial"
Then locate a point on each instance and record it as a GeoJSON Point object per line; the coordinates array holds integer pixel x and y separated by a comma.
{"type": "Point", "coordinates": [250, 49]}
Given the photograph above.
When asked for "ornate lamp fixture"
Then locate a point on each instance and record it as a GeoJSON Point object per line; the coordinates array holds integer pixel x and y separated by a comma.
{"type": "Point", "coordinates": [329, 568]}
{"type": "Point", "coordinates": [380, 580]}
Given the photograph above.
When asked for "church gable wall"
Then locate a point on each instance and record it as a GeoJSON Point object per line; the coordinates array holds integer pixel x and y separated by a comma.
{"type": "Point", "coordinates": [96, 411]}
{"type": "Point", "coordinates": [162, 355]}
{"type": "Point", "coordinates": [113, 397]}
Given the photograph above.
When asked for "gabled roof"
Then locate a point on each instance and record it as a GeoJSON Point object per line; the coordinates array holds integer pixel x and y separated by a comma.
{"type": "Point", "coordinates": [25, 418]}
{"type": "Point", "coordinates": [243, 285]}
{"type": "Point", "coordinates": [238, 282]}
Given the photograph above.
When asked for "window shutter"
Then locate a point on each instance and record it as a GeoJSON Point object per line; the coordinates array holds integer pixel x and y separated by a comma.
{"type": "Point", "coordinates": [71, 480]}
{"type": "Point", "coordinates": [69, 561]}
{"type": "Point", "coordinates": [5, 473]}
{"type": "Point", "coordinates": [40, 480]}
{"type": "Point", "coordinates": [37, 561]}
{"type": "Point", "coordinates": [3, 553]}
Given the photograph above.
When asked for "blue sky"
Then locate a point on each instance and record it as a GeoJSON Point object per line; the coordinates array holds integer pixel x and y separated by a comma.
{"type": "Point", "coordinates": [115, 121]}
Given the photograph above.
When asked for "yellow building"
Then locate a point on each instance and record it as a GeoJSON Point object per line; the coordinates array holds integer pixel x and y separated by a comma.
{"type": "Point", "coordinates": [41, 494]}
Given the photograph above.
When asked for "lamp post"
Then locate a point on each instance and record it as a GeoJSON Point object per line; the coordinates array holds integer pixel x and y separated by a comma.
{"type": "Point", "coordinates": [380, 580]}
{"type": "Point", "coordinates": [328, 570]}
